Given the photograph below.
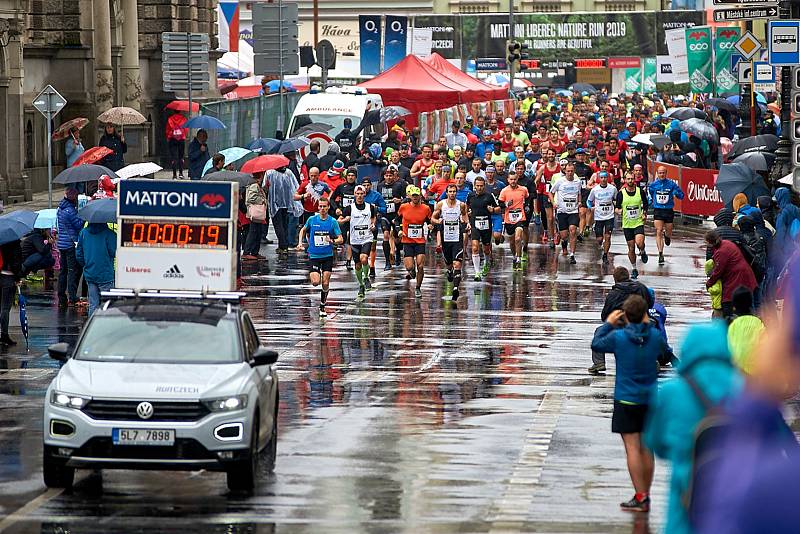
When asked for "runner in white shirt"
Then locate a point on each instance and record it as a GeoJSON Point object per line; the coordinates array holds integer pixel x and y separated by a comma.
{"type": "Point", "coordinates": [477, 170]}
{"type": "Point", "coordinates": [601, 201]}
{"type": "Point", "coordinates": [567, 191]}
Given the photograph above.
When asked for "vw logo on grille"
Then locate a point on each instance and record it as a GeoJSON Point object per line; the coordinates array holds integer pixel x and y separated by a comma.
{"type": "Point", "coordinates": [145, 410]}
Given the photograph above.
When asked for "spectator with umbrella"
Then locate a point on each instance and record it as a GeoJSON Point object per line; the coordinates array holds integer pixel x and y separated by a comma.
{"type": "Point", "coordinates": [13, 226]}
{"type": "Point", "coordinates": [198, 154]}
{"type": "Point", "coordinates": [176, 136]}
{"type": "Point", "coordinates": [97, 247]}
{"type": "Point", "coordinates": [69, 225]}
{"type": "Point", "coordinates": [74, 146]}
{"type": "Point", "coordinates": [116, 142]}
{"type": "Point", "coordinates": [37, 251]}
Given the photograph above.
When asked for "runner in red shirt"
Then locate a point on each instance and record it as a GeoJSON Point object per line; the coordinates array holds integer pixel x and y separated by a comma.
{"type": "Point", "coordinates": [512, 199]}
{"type": "Point", "coordinates": [414, 215]}
{"type": "Point", "coordinates": [547, 168]}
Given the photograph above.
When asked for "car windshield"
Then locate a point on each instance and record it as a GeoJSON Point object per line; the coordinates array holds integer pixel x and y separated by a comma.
{"type": "Point", "coordinates": [161, 336]}
{"type": "Point", "coordinates": [337, 121]}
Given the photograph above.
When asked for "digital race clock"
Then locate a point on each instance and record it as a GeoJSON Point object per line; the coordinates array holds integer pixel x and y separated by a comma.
{"type": "Point", "coordinates": [157, 234]}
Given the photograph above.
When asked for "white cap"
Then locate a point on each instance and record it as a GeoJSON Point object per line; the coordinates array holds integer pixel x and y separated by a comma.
{"type": "Point", "coordinates": [508, 120]}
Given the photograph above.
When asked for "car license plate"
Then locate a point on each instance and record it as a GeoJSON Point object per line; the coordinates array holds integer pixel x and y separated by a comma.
{"type": "Point", "coordinates": [142, 436]}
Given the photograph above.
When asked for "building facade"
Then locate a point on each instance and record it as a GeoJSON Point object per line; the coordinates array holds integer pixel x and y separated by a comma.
{"type": "Point", "coordinates": [97, 54]}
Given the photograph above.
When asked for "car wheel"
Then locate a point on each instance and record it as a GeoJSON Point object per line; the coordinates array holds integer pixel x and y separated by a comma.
{"type": "Point", "coordinates": [56, 473]}
{"type": "Point", "coordinates": [241, 475]}
{"type": "Point", "coordinates": [271, 450]}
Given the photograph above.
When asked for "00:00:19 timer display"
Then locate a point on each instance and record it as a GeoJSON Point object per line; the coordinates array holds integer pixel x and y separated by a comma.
{"type": "Point", "coordinates": [173, 235]}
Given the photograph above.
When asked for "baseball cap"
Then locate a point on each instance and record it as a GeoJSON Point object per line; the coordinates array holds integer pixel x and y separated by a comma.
{"type": "Point", "coordinates": [359, 188]}
{"type": "Point", "coordinates": [508, 120]}
{"type": "Point", "coordinates": [490, 168]}
{"type": "Point", "coordinates": [392, 167]}
{"type": "Point", "coordinates": [580, 151]}
{"type": "Point", "coordinates": [469, 118]}
{"type": "Point", "coordinates": [487, 132]}
{"type": "Point", "coordinates": [412, 190]}
{"type": "Point", "coordinates": [366, 180]}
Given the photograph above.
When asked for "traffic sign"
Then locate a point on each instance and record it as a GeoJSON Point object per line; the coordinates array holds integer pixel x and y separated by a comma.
{"type": "Point", "coordinates": [49, 102]}
{"type": "Point", "coordinates": [748, 45]}
{"type": "Point", "coordinates": [763, 77]}
{"type": "Point", "coordinates": [784, 42]}
{"type": "Point", "coordinates": [736, 60]}
{"type": "Point", "coordinates": [745, 13]}
{"type": "Point", "coordinates": [745, 72]}
{"type": "Point", "coordinates": [326, 54]}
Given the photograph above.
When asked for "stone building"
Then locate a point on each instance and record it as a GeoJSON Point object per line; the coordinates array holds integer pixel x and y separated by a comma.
{"type": "Point", "coordinates": [97, 54]}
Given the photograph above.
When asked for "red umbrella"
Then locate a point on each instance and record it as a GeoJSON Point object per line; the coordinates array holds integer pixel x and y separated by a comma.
{"type": "Point", "coordinates": [183, 105]}
{"type": "Point", "coordinates": [93, 155]}
{"type": "Point", "coordinates": [267, 162]}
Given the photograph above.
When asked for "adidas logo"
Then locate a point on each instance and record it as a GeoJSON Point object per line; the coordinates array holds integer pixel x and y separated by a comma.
{"type": "Point", "coordinates": [173, 272]}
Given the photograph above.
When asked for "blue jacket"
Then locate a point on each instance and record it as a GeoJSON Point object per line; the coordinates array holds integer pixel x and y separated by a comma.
{"type": "Point", "coordinates": [97, 247]}
{"type": "Point", "coordinates": [483, 147]}
{"type": "Point", "coordinates": [665, 186]}
{"type": "Point", "coordinates": [197, 158]}
{"type": "Point", "coordinates": [636, 348]}
{"type": "Point", "coordinates": [675, 410]}
{"type": "Point", "coordinates": [73, 150]}
{"type": "Point", "coordinates": [461, 194]}
{"type": "Point", "coordinates": [783, 222]}
{"type": "Point", "coordinates": [69, 224]}
{"type": "Point", "coordinates": [376, 199]}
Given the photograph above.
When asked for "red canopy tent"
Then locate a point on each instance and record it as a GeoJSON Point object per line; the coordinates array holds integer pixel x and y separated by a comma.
{"type": "Point", "coordinates": [475, 86]}
{"type": "Point", "coordinates": [415, 86]}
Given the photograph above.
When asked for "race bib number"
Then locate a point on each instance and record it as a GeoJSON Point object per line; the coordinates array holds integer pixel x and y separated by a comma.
{"type": "Point", "coordinates": [322, 239]}
{"type": "Point", "coordinates": [515, 216]}
{"type": "Point", "coordinates": [346, 201]}
{"type": "Point", "coordinates": [415, 231]}
{"type": "Point", "coordinates": [583, 183]}
{"type": "Point", "coordinates": [662, 198]}
{"type": "Point", "coordinates": [451, 232]}
{"type": "Point", "coordinates": [547, 187]}
{"type": "Point", "coordinates": [361, 233]}
{"type": "Point", "coordinates": [390, 207]}
{"type": "Point", "coordinates": [633, 212]}
{"type": "Point", "coordinates": [604, 210]}
{"type": "Point", "coordinates": [570, 203]}
{"type": "Point", "coordinates": [482, 223]}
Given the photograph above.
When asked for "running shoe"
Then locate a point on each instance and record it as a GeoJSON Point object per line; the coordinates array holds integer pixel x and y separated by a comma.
{"type": "Point", "coordinates": [418, 293]}
{"type": "Point", "coordinates": [449, 275]}
{"type": "Point", "coordinates": [597, 369]}
{"type": "Point", "coordinates": [348, 265]}
{"type": "Point", "coordinates": [634, 274]}
{"type": "Point", "coordinates": [368, 284]}
{"type": "Point", "coordinates": [322, 312]}
{"type": "Point", "coordinates": [572, 259]}
{"type": "Point", "coordinates": [661, 258]}
{"type": "Point", "coordinates": [524, 258]}
{"type": "Point", "coordinates": [361, 292]}
{"type": "Point", "coordinates": [477, 277]}
{"type": "Point", "coordinates": [485, 270]}
{"type": "Point", "coordinates": [372, 273]}
{"type": "Point", "coordinates": [455, 294]}
{"type": "Point", "coordinates": [667, 240]}
{"type": "Point", "coordinates": [635, 505]}
{"type": "Point", "coordinates": [387, 267]}
{"type": "Point", "coordinates": [517, 265]}
{"type": "Point", "coordinates": [644, 256]}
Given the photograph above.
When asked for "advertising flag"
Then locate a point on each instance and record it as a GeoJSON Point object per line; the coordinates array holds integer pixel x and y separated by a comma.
{"type": "Point", "coordinates": [700, 59]}
{"type": "Point", "coordinates": [725, 39]}
{"type": "Point", "coordinates": [228, 20]}
{"type": "Point", "coordinates": [676, 47]}
{"type": "Point", "coordinates": [633, 80]}
{"type": "Point", "coordinates": [369, 34]}
{"type": "Point", "coordinates": [395, 40]}
{"type": "Point", "coordinates": [649, 75]}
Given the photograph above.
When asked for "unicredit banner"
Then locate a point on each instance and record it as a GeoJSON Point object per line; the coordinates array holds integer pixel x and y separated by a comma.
{"type": "Point", "coordinates": [701, 196]}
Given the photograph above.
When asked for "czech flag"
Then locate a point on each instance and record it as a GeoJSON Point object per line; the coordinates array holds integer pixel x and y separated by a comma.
{"type": "Point", "coordinates": [228, 18]}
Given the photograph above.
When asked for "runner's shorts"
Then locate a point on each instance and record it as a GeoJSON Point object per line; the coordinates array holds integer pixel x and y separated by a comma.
{"type": "Point", "coordinates": [565, 220]}
{"type": "Point", "coordinates": [484, 236]}
{"type": "Point", "coordinates": [364, 248]}
{"type": "Point", "coordinates": [631, 233]}
{"type": "Point", "coordinates": [603, 227]}
{"type": "Point", "coordinates": [511, 228]}
{"type": "Point", "coordinates": [628, 418]}
{"type": "Point", "coordinates": [544, 201]}
{"type": "Point", "coordinates": [412, 250]}
{"type": "Point", "coordinates": [497, 224]}
{"type": "Point", "coordinates": [664, 214]}
{"type": "Point", "coordinates": [321, 265]}
{"type": "Point", "coordinates": [389, 223]}
{"type": "Point", "coordinates": [585, 197]}
{"type": "Point", "coordinates": [452, 251]}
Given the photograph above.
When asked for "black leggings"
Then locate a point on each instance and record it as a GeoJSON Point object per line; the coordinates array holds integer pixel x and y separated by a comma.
{"type": "Point", "coordinates": [176, 156]}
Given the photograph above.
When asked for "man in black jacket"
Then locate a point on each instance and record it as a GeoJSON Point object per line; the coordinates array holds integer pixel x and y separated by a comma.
{"type": "Point", "coordinates": [623, 288]}
{"type": "Point", "coordinates": [36, 251]}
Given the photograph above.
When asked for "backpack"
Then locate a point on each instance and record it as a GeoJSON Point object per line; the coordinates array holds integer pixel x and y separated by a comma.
{"type": "Point", "coordinates": [706, 452]}
{"type": "Point", "coordinates": [758, 254]}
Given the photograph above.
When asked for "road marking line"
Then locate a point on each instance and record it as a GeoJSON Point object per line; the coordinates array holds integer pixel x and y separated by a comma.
{"type": "Point", "coordinates": [32, 505]}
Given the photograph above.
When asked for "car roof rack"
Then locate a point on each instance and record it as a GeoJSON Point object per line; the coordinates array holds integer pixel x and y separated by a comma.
{"type": "Point", "coordinates": [229, 296]}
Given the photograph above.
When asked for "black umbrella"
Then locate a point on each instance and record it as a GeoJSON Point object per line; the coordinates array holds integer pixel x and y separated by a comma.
{"type": "Point", "coordinates": [242, 178]}
{"type": "Point", "coordinates": [83, 173]}
{"type": "Point", "coordinates": [16, 224]}
{"type": "Point", "coordinates": [758, 161]}
{"type": "Point", "coordinates": [684, 113]}
{"type": "Point", "coordinates": [290, 145]}
{"type": "Point", "coordinates": [583, 88]}
{"type": "Point", "coordinates": [722, 105]}
{"type": "Point", "coordinates": [263, 144]}
{"type": "Point", "coordinates": [755, 143]}
{"type": "Point", "coordinates": [735, 178]}
{"type": "Point", "coordinates": [700, 128]}
{"type": "Point", "coordinates": [103, 210]}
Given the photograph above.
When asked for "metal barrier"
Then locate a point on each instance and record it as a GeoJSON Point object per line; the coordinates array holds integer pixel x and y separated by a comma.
{"type": "Point", "coordinates": [702, 198]}
{"type": "Point", "coordinates": [247, 119]}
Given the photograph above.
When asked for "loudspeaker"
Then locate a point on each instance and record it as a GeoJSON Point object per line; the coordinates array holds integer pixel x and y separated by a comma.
{"type": "Point", "coordinates": [307, 56]}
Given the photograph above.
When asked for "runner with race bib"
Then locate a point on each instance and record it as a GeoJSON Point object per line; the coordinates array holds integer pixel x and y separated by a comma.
{"type": "Point", "coordinates": [414, 215]}
{"type": "Point", "coordinates": [567, 192]}
{"type": "Point", "coordinates": [362, 218]}
{"type": "Point", "coordinates": [451, 214]}
{"type": "Point", "coordinates": [512, 199]}
{"type": "Point", "coordinates": [601, 202]}
{"type": "Point", "coordinates": [632, 204]}
{"type": "Point", "coordinates": [663, 193]}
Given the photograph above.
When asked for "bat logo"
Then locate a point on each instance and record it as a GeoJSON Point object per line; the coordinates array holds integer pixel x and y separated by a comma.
{"type": "Point", "coordinates": [212, 200]}
{"type": "Point", "coordinates": [727, 34]}
{"type": "Point", "coordinates": [696, 36]}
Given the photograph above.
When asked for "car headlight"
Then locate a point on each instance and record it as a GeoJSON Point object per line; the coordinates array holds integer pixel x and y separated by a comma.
{"type": "Point", "coordinates": [68, 400]}
{"type": "Point", "coordinates": [226, 404]}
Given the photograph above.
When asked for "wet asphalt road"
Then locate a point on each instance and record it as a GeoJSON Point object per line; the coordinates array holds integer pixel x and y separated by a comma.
{"type": "Point", "coordinates": [397, 414]}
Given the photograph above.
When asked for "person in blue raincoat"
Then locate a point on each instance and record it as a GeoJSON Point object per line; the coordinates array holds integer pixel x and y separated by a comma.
{"type": "Point", "coordinates": [96, 250]}
{"type": "Point", "coordinates": [69, 225]}
{"type": "Point", "coordinates": [788, 213]}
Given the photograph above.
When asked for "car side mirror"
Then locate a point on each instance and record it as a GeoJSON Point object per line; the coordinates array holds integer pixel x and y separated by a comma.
{"type": "Point", "coordinates": [264, 356]}
{"type": "Point", "coordinates": [59, 351]}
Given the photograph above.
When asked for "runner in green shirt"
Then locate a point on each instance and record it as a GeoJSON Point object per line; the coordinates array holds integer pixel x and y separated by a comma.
{"type": "Point", "coordinates": [632, 204]}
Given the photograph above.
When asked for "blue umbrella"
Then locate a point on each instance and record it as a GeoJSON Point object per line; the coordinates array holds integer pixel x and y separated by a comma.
{"type": "Point", "coordinates": [564, 92]}
{"type": "Point", "coordinates": [290, 145]}
{"type": "Point", "coordinates": [46, 219]}
{"type": "Point", "coordinates": [274, 84]}
{"type": "Point", "coordinates": [734, 99]}
{"type": "Point", "coordinates": [206, 122]}
{"type": "Point", "coordinates": [23, 316]}
{"type": "Point", "coordinates": [103, 210]}
{"type": "Point", "coordinates": [231, 155]}
{"type": "Point", "coordinates": [16, 224]}
{"type": "Point", "coordinates": [263, 144]}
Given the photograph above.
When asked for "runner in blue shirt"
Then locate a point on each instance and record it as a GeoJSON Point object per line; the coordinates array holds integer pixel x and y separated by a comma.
{"type": "Point", "coordinates": [323, 232]}
{"type": "Point", "coordinates": [663, 192]}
